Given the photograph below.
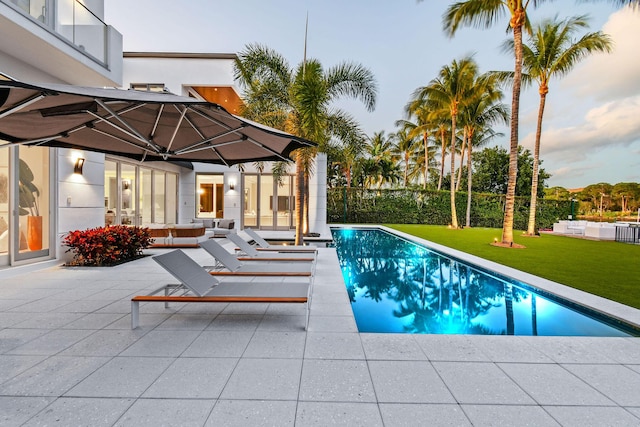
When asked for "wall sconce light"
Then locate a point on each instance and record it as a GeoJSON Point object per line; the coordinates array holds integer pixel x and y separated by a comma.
{"type": "Point", "coordinates": [77, 168]}
{"type": "Point", "coordinates": [126, 184]}
{"type": "Point", "coordinates": [232, 184]}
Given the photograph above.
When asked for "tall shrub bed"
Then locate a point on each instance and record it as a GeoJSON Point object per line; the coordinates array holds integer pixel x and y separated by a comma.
{"type": "Point", "coordinates": [108, 245]}
{"type": "Point", "coordinates": [359, 206]}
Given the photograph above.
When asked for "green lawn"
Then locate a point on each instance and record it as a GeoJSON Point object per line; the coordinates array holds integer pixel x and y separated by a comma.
{"type": "Point", "coordinates": [607, 269]}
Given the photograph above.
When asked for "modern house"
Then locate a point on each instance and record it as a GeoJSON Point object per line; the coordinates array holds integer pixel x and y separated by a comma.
{"type": "Point", "coordinates": [53, 41]}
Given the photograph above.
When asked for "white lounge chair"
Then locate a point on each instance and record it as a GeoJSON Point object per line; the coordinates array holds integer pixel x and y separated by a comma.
{"type": "Point", "coordinates": [236, 267]}
{"type": "Point", "coordinates": [196, 285]}
{"type": "Point", "coordinates": [266, 246]}
{"type": "Point", "coordinates": [253, 254]}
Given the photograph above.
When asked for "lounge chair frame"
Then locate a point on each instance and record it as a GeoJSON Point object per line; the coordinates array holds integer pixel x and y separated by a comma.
{"type": "Point", "coordinates": [198, 286]}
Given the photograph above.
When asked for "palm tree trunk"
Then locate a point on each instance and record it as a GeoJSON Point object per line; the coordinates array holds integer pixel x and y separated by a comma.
{"type": "Point", "coordinates": [531, 227]}
{"type": "Point", "coordinates": [454, 215]}
{"type": "Point", "coordinates": [305, 225]}
{"type": "Point", "coordinates": [406, 168]}
{"type": "Point", "coordinates": [507, 223]}
{"type": "Point", "coordinates": [469, 173]}
{"type": "Point", "coordinates": [299, 199]}
{"type": "Point", "coordinates": [426, 158]}
{"type": "Point", "coordinates": [442, 153]}
{"type": "Point", "coordinates": [462, 150]}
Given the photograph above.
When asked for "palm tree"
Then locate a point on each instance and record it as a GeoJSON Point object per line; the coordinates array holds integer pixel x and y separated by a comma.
{"type": "Point", "coordinates": [553, 52]}
{"type": "Point", "coordinates": [450, 90]}
{"type": "Point", "coordinates": [484, 13]}
{"type": "Point", "coordinates": [430, 120]}
{"type": "Point", "coordinates": [481, 111]}
{"type": "Point", "coordinates": [299, 101]}
{"type": "Point", "coordinates": [404, 149]}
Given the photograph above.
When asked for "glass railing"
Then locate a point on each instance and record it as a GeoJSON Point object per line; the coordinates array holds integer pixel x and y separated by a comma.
{"type": "Point", "coordinates": [80, 26]}
{"type": "Point", "coordinates": [73, 21]}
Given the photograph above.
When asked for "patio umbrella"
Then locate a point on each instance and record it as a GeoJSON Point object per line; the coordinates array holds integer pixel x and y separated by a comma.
{"type": "Point", "coordinates": [146, 126]}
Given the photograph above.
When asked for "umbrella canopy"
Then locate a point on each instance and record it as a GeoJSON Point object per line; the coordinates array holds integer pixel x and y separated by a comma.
{"type": "Point", "coordinates": [141, 125]}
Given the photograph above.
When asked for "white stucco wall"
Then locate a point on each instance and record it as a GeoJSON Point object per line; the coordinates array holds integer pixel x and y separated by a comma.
{"type": "Point", "coordinates": [177, 73]}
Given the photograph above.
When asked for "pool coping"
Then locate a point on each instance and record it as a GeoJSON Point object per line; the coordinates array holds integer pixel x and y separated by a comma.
{"type": "Point", "coordinates": [596, 303]}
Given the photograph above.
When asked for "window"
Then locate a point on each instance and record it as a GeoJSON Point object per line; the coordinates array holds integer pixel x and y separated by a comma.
{"type": "Point", "coordinates": [149, 87]}
{"type": "Point", "coordinates": [210, 195]}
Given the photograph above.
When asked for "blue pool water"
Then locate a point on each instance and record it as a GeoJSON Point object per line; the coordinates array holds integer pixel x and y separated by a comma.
{"type": "Point", "coordinates": [402, 287]}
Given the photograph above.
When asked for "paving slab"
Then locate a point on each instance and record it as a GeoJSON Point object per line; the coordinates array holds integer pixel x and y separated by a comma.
{"type": "Point", "coordinates": [320, 414]}
{"type": "Point", "coordinates": [592, 416]}
{"type": "Point", "coordinates": [161, 412]}
{"type": "Point", "coordinates": [243, 413]}
{"type": "Point", "coordinates": [81, 412]}
{"type": "Point", "coordinates": [509, 415]}
{"type": "Point", "coordinates": [192, 378]}
{"type": "Point", "coordinates": [402, 381]}
{"type": "Point", "coordinates": [336, 381]}
{"type": "Point", "coordinates": [410, 415]}
{"type": "Point", "coordinates": [15, 411]}
{"type": "Point", "coordinates": [618, 383]}
{"type": "Point", "coordinates": [122, 377]}
{"type": "Point", "coordinates": [333, 345]}
{"type": "Point", "coordinates": [480, 383]}
{"type": "Point", "coordinates": [548, 384]}
{"type": "Point", "coordinates": [264, 379]}
{"type": "Point", "coordinates": [391, 347]}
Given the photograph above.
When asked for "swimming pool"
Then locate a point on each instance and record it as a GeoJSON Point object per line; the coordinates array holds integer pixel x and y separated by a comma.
{"type": "Point", "coordinates": [398, 286]}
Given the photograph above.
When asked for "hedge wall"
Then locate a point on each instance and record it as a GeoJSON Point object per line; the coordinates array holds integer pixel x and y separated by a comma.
{"type": "Point", "coordinates": [359, 206]}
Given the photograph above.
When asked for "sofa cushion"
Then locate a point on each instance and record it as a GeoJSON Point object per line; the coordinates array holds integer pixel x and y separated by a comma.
{"type": "Point", "coordinates": [226, 223]}
{"type": "Point", "coordinates": [206, 222]}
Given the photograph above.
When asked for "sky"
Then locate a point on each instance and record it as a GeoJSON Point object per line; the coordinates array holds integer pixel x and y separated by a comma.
{"type": "Point", "coordinates": [591, 128]}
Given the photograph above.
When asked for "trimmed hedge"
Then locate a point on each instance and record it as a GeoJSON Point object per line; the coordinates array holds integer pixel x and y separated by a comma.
{"type": "Point", "coordinates": [407, 206]}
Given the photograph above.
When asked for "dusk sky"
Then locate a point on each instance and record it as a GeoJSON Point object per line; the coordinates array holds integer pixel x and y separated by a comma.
{"type": "Point", "coordinates": [591, 131]}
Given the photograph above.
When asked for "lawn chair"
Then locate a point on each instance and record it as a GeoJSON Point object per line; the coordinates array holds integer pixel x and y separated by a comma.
{"type": "Point", "coordinates": [196, 285]}
{"type": "Point", "coordinates": [263, 245]}
{"type": "Point", "coordinates": [235, 267]}
{"type": "Point", "coordinates": [252, 253]}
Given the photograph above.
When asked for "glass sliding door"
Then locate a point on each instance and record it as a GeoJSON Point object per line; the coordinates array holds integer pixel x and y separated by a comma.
{"type": "Point", "coordinates": [128, 211]}
{"type": "Point", "coordinates": [156, 190]}
{"type": "Point", "coordinates": [111, 193]}
{"type": "Point", "coordinates": [250, 201]}
{"type": "Point", "coordinates": [5, 220]}
{"type": "Point", "coordinates": [266, 202]}
{"type": "Point", "coordinates": [171, 201]}
{"type": "Point", "coordinates": [33, 200]}
{"type": "Point", "coordinates": [158, 197]}
{"type": "Point", "coordinates": [146, 196]}
{"type": "Point", "coordinates": [284, 214]}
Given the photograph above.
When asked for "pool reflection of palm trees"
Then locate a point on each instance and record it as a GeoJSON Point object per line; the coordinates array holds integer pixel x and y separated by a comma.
{"type": "Point", "coordinates": [429, 293]}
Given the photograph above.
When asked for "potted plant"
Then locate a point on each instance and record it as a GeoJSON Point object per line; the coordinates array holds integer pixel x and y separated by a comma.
{"type": "Point", "coordinates": [28, 205]}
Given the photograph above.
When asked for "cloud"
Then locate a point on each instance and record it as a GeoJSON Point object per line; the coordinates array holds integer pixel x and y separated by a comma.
{"type": "Point", "coordinates": [606, 77]}
{"type": "Point", "coordinates": [610, 125]}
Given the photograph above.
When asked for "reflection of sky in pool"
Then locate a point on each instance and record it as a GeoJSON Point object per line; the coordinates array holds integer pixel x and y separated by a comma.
{"type": "Point", "coordinates": [399, 286]}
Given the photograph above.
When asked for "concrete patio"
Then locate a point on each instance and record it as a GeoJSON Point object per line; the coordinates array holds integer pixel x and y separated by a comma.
{"type": "Point", "coordinates": [69, 357]}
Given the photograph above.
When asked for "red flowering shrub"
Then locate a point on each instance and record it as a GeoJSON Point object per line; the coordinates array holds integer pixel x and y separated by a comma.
{"type": "Point", "coordinates": [107, 245]}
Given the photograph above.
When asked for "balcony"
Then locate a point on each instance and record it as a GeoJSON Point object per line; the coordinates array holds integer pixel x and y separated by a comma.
{"type": "Point", "coordinates": [70, 28]}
